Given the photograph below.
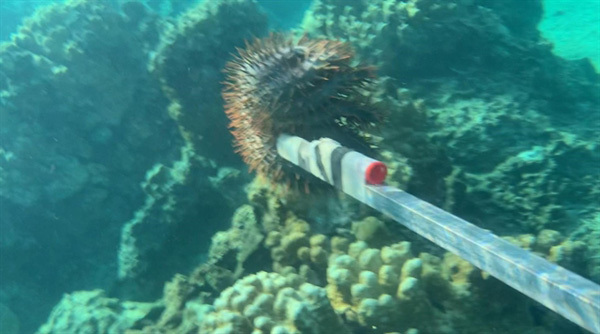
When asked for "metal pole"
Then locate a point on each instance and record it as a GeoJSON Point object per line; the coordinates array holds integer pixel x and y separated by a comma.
{"type": "Point", "coordinates": [562, 291]}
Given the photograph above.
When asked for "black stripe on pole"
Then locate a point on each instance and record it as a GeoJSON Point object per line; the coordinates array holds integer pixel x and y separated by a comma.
{"type": "Point", "coordinates": [301, 161]}
{"type": "Point", "coordinates": [320, 164]}
{"type": "Point", "coordinates": [336, 165]}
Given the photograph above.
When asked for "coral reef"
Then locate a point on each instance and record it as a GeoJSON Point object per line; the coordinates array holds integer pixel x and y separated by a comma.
{"type": "Point", "coordinates": [589, 233]}
{"type": "Point", "coordinates": [169, 222]}
{"type": "Point", "coordinates": [190, 76]}
{"type": "Point", "coordinates": [94, 312]}
{"type": "Point", "coordinates": [326, 209]}
{"type": "Point", "coordinates": [526, 186]}
{"type": "Point", "coordinates": [272, 303]}
{"type": "Point", "coordinates": [87, 91]}
{"type": "Point", "coordinates": [379, 288]}
{"type": "Point", "coordinates": [484, 121]}
{"type": "Point", "coordinates": [553, 246]}
{"type": "Point", "coordinates": [373, 289]}
{"type": "Point", "coordinates": [233, 247]}
{"type": "Point", "coordinates": [82, 121]}
{"type": "Point", "coordinates": [420, 38]}
{"type": "Point", "coordinates": [183, 308]}
{"type": "Point", "coordinates": [294, 248]}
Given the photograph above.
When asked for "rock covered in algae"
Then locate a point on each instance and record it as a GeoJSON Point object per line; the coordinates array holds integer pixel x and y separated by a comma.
{"type": "Point", "coordinates": [66, 96]}
{"type": "Point", "coordinates": [231, 248]}
{"type": "Point", "coordinates": [94, 312]}
{"type": "Point", "coordinates": [81, 122]}
{"type": "Point", "coordinates": [168, 223]}
{"type": "Point", "coordinates": [189, 61]}
{"type": "Point", "coordinates": [184, 304]}
{"type": "Point", "coordinates": [272, 303]}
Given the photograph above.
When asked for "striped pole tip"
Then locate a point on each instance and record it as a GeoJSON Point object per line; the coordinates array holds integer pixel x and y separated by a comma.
{"type": "Point", "coordinates": [376, 172]}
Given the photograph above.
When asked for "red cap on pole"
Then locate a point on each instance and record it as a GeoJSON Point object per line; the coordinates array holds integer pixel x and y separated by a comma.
{"type": "Point", "coordinates": [376, 172]}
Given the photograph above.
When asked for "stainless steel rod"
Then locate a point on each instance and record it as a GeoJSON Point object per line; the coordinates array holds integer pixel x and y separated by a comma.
{"type": "Point", "coordinates": [562, 291]}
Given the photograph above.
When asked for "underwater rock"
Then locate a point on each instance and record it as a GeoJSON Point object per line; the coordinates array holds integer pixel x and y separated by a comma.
{"type": "Point", "coordinates": [168, 223]}
{"type": "Point", "coordinates": [231, 249]}
{"type": "Point", "coordinates": [82, 121]}
{"type": "Point", "coordinates": [272, 303]}
{"type": "Point", "coordinates": [191, 76]}
{"type": "Point", "coordinates": [94, 312]}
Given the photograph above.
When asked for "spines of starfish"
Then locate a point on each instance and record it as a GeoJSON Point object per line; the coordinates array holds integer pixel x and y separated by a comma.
{"type": "Point", "coordinates": [299, 86]}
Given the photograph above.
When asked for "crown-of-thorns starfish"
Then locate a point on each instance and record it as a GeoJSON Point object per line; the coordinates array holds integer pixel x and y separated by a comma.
{"type": "Point", "coordinates": [309, 88]}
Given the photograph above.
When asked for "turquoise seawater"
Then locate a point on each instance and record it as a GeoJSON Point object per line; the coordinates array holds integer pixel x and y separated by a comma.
{"type": "Point", "coordinates": [573, 28]}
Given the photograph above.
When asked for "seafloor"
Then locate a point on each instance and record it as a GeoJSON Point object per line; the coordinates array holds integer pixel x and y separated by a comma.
{"type": "Point", "coordinates": [121, 192]}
